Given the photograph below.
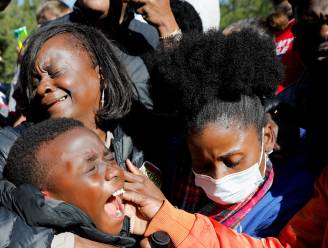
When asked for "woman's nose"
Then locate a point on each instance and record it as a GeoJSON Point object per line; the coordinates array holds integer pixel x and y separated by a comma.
{"type": "Point", "coordinates": [45, 86]}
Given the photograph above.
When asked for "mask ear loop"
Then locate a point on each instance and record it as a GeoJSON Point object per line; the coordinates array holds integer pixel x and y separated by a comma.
{"type": "Point", "coordinates": [265, 156]}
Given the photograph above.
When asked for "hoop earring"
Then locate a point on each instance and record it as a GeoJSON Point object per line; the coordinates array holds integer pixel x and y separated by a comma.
{"type": "Point", "coordinates": [102, 101]}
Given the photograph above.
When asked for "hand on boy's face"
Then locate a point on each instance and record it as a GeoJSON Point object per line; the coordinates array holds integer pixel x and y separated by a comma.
{"type": "Point", "coordinates": [138, 223]}
{"type": "Point", "coordinates": [142, 192]}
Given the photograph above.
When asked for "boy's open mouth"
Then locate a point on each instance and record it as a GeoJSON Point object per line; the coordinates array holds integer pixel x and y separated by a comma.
{"type": "Point", "coordinates": [114, 206]}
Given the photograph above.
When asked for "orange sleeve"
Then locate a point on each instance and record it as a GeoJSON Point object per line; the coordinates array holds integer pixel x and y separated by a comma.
{"type": "Point", "coordinates": [308, 228]}
{"type": "Point", "coordinates": [310, 225]}
{"type": "Point", "coordinates": [189, 230]}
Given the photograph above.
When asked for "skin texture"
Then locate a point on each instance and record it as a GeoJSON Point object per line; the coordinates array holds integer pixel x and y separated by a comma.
{"type": "Point", "coordinates": [311, 32]}
{"type": "Point", "coordinates": [157, 13]}
{"type": "Point", "coordinates": [218, 151]}
{"type": "Point", "coordinates": [84, 174]}
{"type": "Point", "coordinates": [63, 69]}
{"type": "Point", "coordinates": [84, 243]}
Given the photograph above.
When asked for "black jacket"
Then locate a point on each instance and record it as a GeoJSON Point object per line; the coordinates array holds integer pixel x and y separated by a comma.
{"type": "Point", "coordinates": [30, 220]}
{"type": "Point", "coordinates": [15, 213]}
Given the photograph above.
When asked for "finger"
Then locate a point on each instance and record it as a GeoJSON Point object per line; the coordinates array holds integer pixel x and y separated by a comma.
{"type": "Point", "coordinates": [134, 197]}
{"type": "Point", "coordinates": [129, 209]}
{"type": "Point", "coordinates": [142, 11]}
{"type": "Point", "coordinates": [132, 168]}
{"type": "Point", "coordinates": [132, 178]}
{"type": "Point", "coordinates": [136, 187]}
{"type": "Point", "coordinates": [145, 190]}
{"type": "Point", "coordinates": [145, 243]}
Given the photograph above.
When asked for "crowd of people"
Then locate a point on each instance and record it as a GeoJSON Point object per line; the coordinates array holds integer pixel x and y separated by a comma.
{"type": "Point", "coordinates": [138, 126]}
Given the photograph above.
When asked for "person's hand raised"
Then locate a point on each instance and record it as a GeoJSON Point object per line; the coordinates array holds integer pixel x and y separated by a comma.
{"type": "Point", "coordinates": [157, 13]}
{"type": "Point", "coordinates": [143, 193]}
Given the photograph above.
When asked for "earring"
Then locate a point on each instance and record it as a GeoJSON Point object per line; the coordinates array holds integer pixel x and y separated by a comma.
{"type": "Point", "coordinates": [102, 101]}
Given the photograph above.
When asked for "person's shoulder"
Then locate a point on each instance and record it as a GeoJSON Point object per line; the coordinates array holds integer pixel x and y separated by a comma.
{"type": "Point", "coordinates": [8, 136]}
{"type": "Point", "coordinates": [10, 132]}
{"type": "Point", "coordinates": [15, 232]}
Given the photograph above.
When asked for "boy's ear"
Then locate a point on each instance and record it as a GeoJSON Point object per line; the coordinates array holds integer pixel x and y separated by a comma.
{"type": "Point", "coordinates": [270, 135]}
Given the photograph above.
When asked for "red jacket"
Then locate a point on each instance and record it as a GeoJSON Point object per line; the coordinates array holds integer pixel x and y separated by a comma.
{"type": "Point", "coordinates": [308, 228]}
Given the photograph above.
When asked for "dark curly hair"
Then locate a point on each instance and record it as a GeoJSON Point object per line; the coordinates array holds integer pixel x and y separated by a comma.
{"type": "Point", "coordinates": [117, 87]}
{"type": "Point", "coordinates": [22, 164]}
{"type": "Point", "coordinates": [211, 77]}
{"type": "Point", "coordinates": [186, 16]}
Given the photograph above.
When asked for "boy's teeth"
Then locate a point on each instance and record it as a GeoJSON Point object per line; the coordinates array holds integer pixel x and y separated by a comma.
{"type": "Point", "coordinates": [119, 192]}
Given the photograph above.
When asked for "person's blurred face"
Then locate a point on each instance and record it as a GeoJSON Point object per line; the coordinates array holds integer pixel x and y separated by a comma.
{"type": "Point", "coordinates": [65, 82]}
{"type": "Point", "coordinates": [84, 173]}
{"type": "Point", "coordinates": [218, 151]}
{"type": "Point", "coordinates": [311, 31]}
{"type": "Point", "coordinates": [98, 10]}
{"type": "Point", "coordinates": [284, 7]}
{"type": "Point", "coordinates": [50, 15]}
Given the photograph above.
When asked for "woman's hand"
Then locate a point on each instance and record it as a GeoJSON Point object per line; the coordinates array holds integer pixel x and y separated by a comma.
{"type": "Point", "coordinates": [143, 193]}
{"type": "Point", "coordinates": [157, 13]}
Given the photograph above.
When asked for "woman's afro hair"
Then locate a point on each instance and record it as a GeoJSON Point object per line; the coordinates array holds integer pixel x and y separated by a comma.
{"type": "Point", "coordinates": [211, 66]}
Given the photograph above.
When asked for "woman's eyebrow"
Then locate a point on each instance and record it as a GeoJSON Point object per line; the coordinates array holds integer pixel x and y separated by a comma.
{"type": "Point", "coordinates": [230, 153]}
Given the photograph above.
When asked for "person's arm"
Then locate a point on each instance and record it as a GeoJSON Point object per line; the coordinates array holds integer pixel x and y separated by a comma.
{"type": "Point", "coordinates": [306, 229]}
{"type": "Point", "coordinates": [86, 243]}
{"type": "Point", "coordinates": [196, 230]}
{"type": "Point", "coordinates": [70, 240]}
{"type": "Point", "coordinates": [157, 13]}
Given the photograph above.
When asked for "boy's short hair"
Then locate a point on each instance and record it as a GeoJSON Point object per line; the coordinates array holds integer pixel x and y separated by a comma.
{"type": "Point", "coordinates": [22, 164]}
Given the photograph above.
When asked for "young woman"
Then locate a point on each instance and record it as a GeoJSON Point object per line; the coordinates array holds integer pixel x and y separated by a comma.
{"type": "Point", "coordinates": [221, 87]}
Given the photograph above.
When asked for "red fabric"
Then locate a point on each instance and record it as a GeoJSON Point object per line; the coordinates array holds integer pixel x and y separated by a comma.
{"type": "Point", "coordinates": [290, 58]}
{"type": "Point", "coordinates": [234, 214]}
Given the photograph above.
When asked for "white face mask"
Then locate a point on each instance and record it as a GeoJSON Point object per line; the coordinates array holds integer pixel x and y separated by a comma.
{"type": "Point", "coordinates": [232, 188]}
